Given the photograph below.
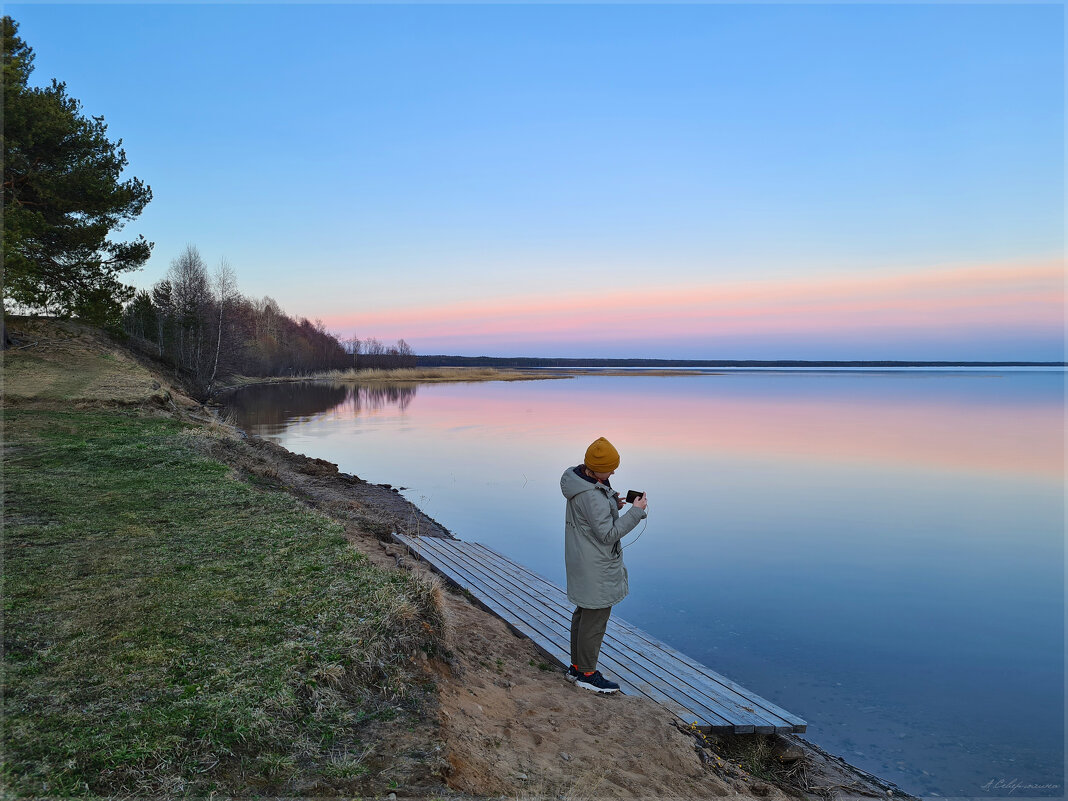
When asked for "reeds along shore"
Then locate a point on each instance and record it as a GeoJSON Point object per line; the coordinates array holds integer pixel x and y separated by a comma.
{"type": "Point", "coordinates": [425, 374]}
{"type": "Point", "coordinates": [405, 374]}
{"type": "Point", "coordinates": [431, 375]}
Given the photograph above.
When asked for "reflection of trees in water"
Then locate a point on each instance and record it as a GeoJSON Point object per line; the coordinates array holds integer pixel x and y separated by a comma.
{"type": "Point", "coordinates": [361, 399]}
{"type": "Point", "coordinates": [268, 408]}
{"type": "Point", "coordinates": [376, 396]}
{"type": "Point", "coordinates": [271, 406]}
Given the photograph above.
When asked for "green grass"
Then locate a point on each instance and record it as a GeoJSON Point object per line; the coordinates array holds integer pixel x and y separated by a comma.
{"type": "Point", "coordinates": [169, 629]}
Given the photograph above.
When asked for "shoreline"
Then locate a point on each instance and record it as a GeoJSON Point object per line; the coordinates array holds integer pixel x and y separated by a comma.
{"type": "Point", "coordinates": [395, 376]}
{"type": "Point", "coordinates": [506, 720]}
{"type": "Point", "coordinates": [825, 769]}
{"type": "Point", "coordinates": [443, 375]}
{"type": "Point", "coordinates": [833, 769]}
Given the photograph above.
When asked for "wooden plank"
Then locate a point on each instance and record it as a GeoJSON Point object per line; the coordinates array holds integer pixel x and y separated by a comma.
{"type": "Point", "coordinates": [507, 597]}
{"type": "Point", "coordinates": [515, 611]}
{"type": "Point", "coordinates": [720, 684]}
{"type": "Point", "coordinates": [635, 657]}
{"type": "Point", "coordinates": [647, 672]}
{"type": "Point", "coordinates": [630, 682]}
{"type": "Point", "coordinates": [642, 642]}
{"type": "Point", "coordinates": [544, 644]}
{"type": "Point", "coordinates": [461, 564]}
{"type": "Point", "coordinates": [644, 682]}
{"type": "Point", "coordinates": [651, 667]}
{"type": "Point", "coordinates": [693, 687]}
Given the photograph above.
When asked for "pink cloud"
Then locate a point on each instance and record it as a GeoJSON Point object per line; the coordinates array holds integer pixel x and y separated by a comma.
{"type": "Point", "coordinates": [1019, 297]}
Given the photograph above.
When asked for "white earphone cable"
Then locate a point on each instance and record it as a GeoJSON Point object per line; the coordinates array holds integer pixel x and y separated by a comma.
{"type": "Point", "coordinates": [645, 522]}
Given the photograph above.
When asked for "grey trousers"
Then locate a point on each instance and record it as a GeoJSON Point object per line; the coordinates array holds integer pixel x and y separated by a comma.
{"type": "Point", "coordinates": [587, 631]}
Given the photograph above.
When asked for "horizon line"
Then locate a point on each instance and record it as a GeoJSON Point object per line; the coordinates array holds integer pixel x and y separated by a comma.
{"type": "Point", "coordinates": [768, 362]}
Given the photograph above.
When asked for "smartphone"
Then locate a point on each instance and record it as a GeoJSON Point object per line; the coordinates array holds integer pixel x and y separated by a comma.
{"type": "Point", "coordinates": [632, 495]}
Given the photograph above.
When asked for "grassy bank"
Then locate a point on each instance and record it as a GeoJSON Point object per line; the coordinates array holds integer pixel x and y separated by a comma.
{"type": "Point", "coordinates": [172, 629]}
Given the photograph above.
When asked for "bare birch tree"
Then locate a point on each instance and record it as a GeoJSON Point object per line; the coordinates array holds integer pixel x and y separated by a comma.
{"type": "Point", "coordinates": [224, 282]}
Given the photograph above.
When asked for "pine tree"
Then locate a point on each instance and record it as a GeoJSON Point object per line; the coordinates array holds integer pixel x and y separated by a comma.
{"type": "Point", "coordinates": [63, 197]}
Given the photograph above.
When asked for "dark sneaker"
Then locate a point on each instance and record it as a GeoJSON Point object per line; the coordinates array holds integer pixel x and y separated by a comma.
{"type": "Point", "coordinates": [596, 682]}
{"type": "Point", "coordinates": [571, 674]}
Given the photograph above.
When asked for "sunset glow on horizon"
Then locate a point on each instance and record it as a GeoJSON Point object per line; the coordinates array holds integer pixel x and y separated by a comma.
{"type": "Point", "coordinates": [843, 181]}
{"type": "Point", "coordinates": [948, 304]}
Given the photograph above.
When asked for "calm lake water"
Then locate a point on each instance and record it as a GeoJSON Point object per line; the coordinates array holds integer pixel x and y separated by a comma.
{"type": "Point", "coordinates": [879, 552]}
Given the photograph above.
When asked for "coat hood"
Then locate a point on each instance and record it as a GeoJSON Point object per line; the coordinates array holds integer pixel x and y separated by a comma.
{"type": "Point", "coordinates": [571, 483]}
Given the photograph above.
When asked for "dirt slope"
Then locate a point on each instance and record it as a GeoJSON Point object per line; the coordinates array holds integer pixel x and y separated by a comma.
{"type": "Point", "coordinates": [64, 363]}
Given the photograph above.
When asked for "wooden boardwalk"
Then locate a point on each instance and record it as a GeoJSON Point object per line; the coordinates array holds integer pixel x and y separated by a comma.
{"type": "Point", "coordinates": [539, 610]}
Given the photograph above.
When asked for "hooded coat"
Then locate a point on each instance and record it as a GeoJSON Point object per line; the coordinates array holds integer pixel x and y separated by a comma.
{"type": "Point", "coordinates": [596, 576]}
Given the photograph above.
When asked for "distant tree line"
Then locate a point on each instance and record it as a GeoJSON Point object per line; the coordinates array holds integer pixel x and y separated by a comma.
{"type": "Point", "coordinates": [202, 325]}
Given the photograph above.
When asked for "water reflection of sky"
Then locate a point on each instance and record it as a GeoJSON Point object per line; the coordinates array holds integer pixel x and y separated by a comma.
{"type": "Point", "coordinates": [879, 552]}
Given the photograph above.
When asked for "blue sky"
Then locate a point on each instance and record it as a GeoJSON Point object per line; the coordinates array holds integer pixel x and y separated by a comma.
{"type": "Point", "coordinates": [388, 168]}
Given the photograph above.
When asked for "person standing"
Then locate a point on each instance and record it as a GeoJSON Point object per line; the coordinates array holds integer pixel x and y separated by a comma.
{"type": "Point", "coordinates": [596, 576]}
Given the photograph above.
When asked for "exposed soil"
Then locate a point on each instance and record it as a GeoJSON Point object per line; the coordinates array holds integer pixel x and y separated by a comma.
{"type": "Point", "coordinates": [508, 722]}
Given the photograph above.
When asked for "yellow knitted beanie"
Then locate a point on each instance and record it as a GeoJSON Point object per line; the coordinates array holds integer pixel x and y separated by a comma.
{"type": "Point", "coordinates": [602, 457]}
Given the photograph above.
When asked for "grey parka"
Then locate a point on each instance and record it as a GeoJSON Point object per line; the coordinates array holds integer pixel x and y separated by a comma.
{"type": "Point", "coordinates": [596, 576]}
